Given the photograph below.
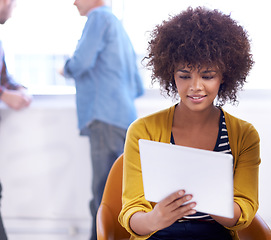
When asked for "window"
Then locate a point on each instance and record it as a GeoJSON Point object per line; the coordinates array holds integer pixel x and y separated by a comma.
{"type": "Point", "coordinates": [38, 39]}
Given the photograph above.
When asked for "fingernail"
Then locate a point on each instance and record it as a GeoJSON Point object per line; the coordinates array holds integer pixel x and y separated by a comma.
{"type": "Point", "coordinates": [188, 198]}
{"type": "Point", "coordinates": [193, 205]}
{"type": "Point", "coordinates": [182, 192]}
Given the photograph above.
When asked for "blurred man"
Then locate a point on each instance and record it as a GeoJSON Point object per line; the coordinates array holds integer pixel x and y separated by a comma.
{"type": "Point", "coordinates": [107, 82]}
{"type": "Point", "coordinates": [12, 94]}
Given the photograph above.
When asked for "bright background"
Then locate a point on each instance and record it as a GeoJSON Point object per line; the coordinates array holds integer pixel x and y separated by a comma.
{"type": "Point", "coordinates": [45, 167]}
{"type": "Point", "coordinates": [43, 33]}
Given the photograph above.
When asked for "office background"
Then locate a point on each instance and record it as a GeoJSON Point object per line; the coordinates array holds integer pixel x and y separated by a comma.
{"type": "Point", "coordinates": [44, 166]}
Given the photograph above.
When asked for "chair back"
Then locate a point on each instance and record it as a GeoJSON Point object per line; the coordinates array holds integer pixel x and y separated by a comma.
{"type": "Point", "coordinates": [257, 230]}
{"type": "Point", "coordinates": [108, 227]}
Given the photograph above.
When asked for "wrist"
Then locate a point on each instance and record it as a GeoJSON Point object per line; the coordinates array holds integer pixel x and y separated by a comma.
{"type": "Point", "coordinates": [142, 224]}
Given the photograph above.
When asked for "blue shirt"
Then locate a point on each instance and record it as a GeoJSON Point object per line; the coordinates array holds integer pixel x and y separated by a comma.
{"type": "Point", "coordinates": [105, 72]}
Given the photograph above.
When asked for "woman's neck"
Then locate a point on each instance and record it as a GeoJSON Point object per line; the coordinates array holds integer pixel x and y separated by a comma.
{"type": "Point", "coordinates": [188, 118]}
{"type": "Point", "coordinates": [198, 129]}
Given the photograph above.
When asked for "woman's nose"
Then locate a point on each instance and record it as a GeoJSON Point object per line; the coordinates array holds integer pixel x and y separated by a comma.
{"type": "Point", "coordinates": [196, 84]}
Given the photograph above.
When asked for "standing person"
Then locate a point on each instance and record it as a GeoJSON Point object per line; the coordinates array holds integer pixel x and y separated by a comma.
{"type": "Point", "coordinates": [107, 82]}
{"type": "Point", "coordinates": [12, 94]}
{"type": "Point", "coordinates": [202, 56]}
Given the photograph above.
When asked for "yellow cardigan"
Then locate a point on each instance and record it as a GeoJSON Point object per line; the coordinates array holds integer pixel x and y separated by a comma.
{"type": "Point", "coordinates": [244, 142]}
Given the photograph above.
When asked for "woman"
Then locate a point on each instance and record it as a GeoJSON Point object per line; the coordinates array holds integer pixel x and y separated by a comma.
{"type": "Point", "coordinates": [203, 57]}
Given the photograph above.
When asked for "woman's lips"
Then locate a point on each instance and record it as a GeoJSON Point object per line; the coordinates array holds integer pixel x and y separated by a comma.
{"type": "Point", "coordinates": [197, 98]}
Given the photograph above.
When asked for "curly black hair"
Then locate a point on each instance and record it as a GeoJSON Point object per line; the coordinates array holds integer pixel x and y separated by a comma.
{"type": "Point", "coordinates": [200, 37]}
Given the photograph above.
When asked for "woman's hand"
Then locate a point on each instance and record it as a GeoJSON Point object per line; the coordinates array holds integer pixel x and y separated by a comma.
{"type": "Point", "coordinates": [165, 213]}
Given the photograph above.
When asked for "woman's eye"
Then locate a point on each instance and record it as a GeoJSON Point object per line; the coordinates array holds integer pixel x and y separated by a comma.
{"type": "Point", "coordinates": [184, 77]}
{"type": "Point", "coordinates": [207, 77]}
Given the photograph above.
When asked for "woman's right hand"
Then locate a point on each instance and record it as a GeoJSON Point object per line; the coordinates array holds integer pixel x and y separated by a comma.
{"type": "Point", "coordinates": [164, 214]}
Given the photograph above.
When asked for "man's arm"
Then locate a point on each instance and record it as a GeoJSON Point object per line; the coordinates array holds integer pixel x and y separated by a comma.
{"type": "Point", "coordinates": [12, 93]}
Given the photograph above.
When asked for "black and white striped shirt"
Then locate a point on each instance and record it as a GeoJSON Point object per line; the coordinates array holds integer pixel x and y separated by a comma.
{"type": "Point", "coordinates": [222, 145]}
{"type": "Point", "coordinates": [222, 142]}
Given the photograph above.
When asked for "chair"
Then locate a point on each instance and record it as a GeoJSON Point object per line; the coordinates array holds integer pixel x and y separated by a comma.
{"type": "Point", "coordinates": [257, 230]}
{"type": "Point", "coordinates": [108, 227]}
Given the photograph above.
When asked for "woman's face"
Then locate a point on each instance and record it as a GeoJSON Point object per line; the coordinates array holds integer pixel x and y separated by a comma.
{"type": "Point", "coordinates": [197, 87]}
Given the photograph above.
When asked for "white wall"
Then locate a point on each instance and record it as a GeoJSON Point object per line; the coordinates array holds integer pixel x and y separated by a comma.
{"type": "Point", "coordinates": [45, 169]}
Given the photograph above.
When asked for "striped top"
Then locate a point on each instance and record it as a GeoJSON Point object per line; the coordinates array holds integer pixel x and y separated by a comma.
{"type": "Point", "coordinates": [222, 142]}
{"type": "Point", "coordinates": [222, 145]}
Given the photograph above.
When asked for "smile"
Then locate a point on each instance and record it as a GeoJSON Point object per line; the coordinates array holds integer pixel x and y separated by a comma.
{"type": "Point", "coordinates": [197, 97]}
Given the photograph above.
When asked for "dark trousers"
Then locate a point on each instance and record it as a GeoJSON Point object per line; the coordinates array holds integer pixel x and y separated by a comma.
{"type": "Point", "coordinates": [106, 145]}
{"type": "Point", "coordinates": [3, 235]}
{"type": "Point", "coordinates": [193, 230]}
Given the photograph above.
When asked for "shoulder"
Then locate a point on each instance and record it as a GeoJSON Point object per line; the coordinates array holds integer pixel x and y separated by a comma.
{"type": "Point", "coordinates": [157, 117]}
{"type": "Point", "coordinates": [102, 13]}
{"type": "Point", "coordinates": [156, 126]}
{"type": "Point", "coordinates": [101, 20]}
{"type": "Point", "coordinates": [242, 134]}
{"type": "Point", "coordinates": [238, 125]}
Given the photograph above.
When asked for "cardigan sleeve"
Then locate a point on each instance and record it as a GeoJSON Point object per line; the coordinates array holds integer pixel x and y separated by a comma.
{"type": "Point", "coordinates": [156, 127]}
{"type": "Point", "coordinates": [245, 145]}
{"type": "Point", "coordinates": [133, 199]}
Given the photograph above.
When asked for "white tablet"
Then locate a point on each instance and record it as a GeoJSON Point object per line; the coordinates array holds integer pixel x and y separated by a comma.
{"type": "Point", "coordinates": [207, 175]}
